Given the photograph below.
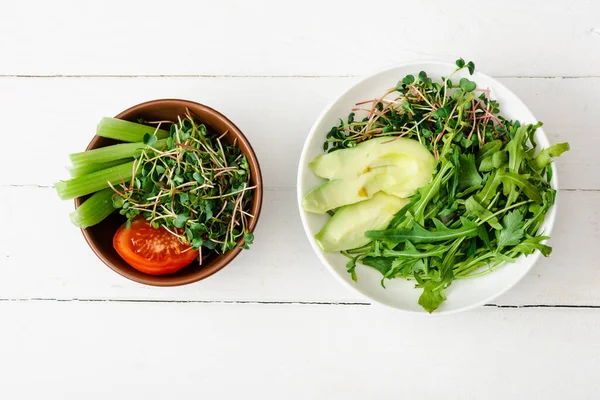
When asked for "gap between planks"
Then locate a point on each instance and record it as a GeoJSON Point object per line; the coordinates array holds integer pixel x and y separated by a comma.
{"type": "Point", "coordinates": [216, 76]}
{"type": "Point", "coordinates": [271, 303]}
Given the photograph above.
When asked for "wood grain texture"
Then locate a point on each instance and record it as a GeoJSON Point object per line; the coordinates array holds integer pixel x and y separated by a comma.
{"type": "Point", "coordinates": [53, 261]}
{"type": "Point", "coordinates": [275, 114]}
{"type": "Point", "coordinates": [275, 324]}
{"type": "Point", "coordinates": [312, 37]}
{"type": "Point", "coordinates": [191, 351]}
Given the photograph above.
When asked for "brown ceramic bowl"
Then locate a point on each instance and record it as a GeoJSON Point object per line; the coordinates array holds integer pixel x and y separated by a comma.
{"type": "Point", "coordinates": [100, 236]}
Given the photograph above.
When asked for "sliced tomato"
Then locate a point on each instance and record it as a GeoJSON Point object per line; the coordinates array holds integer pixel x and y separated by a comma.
{"type": "Point", "coordinates": [150, 250]}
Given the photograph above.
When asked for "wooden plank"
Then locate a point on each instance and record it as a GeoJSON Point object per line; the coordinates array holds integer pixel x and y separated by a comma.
{"type": "Point", "coordinates": [74, 350]}
{"type": "Point", "coordinates": [44, 256]}
{"type": "Point", "coordinates": [518, 38]}
{"type": "Point", "coordinates": [49, 118]}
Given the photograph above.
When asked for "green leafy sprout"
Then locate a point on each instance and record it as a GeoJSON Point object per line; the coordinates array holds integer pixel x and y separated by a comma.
{"type": "Point", "coordinates": [197, 187]}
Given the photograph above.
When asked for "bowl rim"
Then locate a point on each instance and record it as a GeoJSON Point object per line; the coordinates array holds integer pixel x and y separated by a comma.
{"type": "Point", "coordinates": [223, 260]}
{"type": "Point", "coordinates": [302, 167]}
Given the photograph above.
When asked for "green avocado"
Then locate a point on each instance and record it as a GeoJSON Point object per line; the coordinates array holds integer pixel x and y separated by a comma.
{"type": "Point", "coordinates": [351, 163]}
{"type": "Point", "coordinates": [397, 167]}
{"type": "Point", "coordinates": [346, 229]}
{"type": "Point", "coordinates": [340, 192]}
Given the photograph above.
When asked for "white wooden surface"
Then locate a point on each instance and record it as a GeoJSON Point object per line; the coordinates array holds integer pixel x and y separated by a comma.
{"type": "Point", "coordinates": [275, 324]}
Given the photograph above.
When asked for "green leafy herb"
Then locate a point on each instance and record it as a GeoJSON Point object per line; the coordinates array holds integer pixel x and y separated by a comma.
{"type": "Point", "coordinates": [512, 230]}
{"type": "Point", "coordinates": [469, 176]}
{"type": "Point", "coordinates": [418, 234]}
{"type": "Point", "coordinates": [546, 155]}
{"type": "Point", "coordinates": [473, 207]}
{"type": "Point", "coordinates": [433, 296]}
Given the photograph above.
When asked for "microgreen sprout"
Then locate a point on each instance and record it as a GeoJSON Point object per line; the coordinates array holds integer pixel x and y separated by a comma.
{"type": "Point", "coordinates": [420, 108]}
{"type": "Point", "coordinates": [197, 188]}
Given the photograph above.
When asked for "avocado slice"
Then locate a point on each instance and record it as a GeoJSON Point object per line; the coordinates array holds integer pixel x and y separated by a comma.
{"type": "Point", "coordinates": [353, 162]}
{"type": "Point", "coordinates": [395, 166]}
{"type": "Point", "coordinates": [346, 229]}
{"type": "Point", "coordinates": [340, 192]}
{"type": "Point", "coordinates": [408, 187]}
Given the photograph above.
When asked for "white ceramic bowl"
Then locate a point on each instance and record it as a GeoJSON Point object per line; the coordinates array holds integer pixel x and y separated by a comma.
{"type": "Point", "coordinates": [399, 293]}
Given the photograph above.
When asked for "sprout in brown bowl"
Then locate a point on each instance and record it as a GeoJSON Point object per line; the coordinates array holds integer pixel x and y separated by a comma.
{"type": "Point", "coordinates": [187, 187]}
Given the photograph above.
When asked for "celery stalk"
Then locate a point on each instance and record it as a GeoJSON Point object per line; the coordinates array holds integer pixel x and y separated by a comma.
{"type": "Point", "coordinates": [94, 210]}
{"type": "Point", "coordinates": [127, 131]}
{"type": "Point", "coordinates": [76, 172]}
{"type": "Point", "coordinates": [110, 153]}
{"type": "Point", "coordinates": [93, 182]}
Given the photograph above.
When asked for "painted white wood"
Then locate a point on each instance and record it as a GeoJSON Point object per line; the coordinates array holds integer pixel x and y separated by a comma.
{"type": "Point", "coordinates": [241, 58]}
{"type": "Point", "coordinates": [312, 37]}
{"type": "Point", "coordinates": [274, 113]}
{"type": "Point", "coordinates": [189, 351]}
{"type": "Point", "coordinates": [52, 260]}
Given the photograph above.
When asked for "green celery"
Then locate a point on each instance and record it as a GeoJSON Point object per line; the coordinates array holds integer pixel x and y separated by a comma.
{"type": "Point", "coordinates": [110, 153]}
{"type": "Point", "coordinates": [76, 172]}
{"type": "Point", "coordinates": [93, 182]}
{"type": "Point", "coordinates": [126, 131]}
{"type": "Point", "coordinates": [94, 210]}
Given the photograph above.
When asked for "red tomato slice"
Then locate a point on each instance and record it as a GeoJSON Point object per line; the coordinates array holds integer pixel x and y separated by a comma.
{"type": "Point", "coordinates": [150, 250]}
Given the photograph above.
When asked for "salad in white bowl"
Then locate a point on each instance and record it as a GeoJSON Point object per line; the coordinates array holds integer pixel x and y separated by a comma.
{"type": "Point", "coordinates": [428, 187]}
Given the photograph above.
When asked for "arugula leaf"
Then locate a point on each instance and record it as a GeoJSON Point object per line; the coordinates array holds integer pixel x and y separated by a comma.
{"type": "Point", "coordinates": [512, 230]}
{"type": "Point", "coordinates": [433, 296]}
{"type": "Point", "coordinates": [351, 268]}
{"type": "Point", "coordinates": [545, 156]}
{"type": "Point", "coordinates": [495, 161]}
{"type": "Point", "coordinates": [469, 176]}
{"type": "Point", "coordinates": [418, 234]}
{"type": "Point", "coordinates": [489, 190]}
{"type": "Point", "coordinates": [509, 179]}
{"type": "Point", "coordinates": [404, 267]}
{"type": "Point", "coordinates": [529, 245]}
{"type": "Point", "coordinates": [488, 150]}
{"type": "Point", "coordinates": [454, 181]}
{"type": "Point", "coordinates": [414, 253]}
{"type": "Point", "coordinates": [471, 247]}
{"type": "Point", "coordinates": [533, 224]}
{"type": "Point", "coordinates": [473, 207]}
{"type": "Point", "coordinates": [515, 156]}
{"type": "Point", "coordinates": [448, 213]}
{"type": "Point", "coordinates": [381, 264]}
{"type": "Point", "coordinates": [549, 173]}
{"type": "Point", "coordinates": [401, 215]}
{"type": "Point", "coordinates": [484, 236]}
{"type": "Point", "coordinates": [428, 192]}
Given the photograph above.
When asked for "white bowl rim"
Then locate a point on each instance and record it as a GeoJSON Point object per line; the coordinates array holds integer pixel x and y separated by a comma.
{"type": "Point", "coordinates": [549, 218]}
